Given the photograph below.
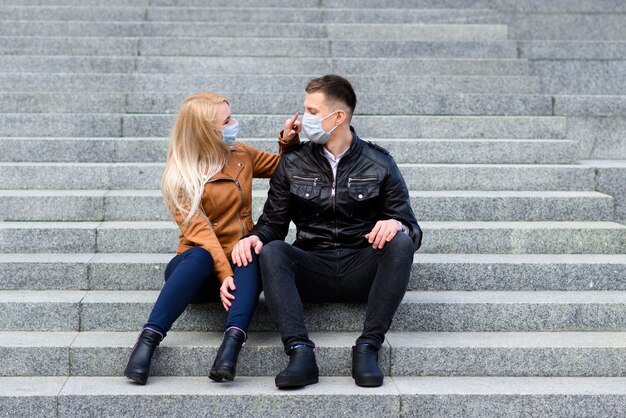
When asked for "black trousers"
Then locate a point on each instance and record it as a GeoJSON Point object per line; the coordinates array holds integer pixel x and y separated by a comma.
{"type": "Point", "coordinates": [379, 278]}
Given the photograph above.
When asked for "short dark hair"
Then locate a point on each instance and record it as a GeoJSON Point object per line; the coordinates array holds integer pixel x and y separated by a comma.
{"type": "Point", "coordinates": [335, 88]}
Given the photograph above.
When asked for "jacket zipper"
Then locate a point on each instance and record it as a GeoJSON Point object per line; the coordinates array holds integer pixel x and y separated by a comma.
{"type": "Point", "coordinates": [243, 230]}
{"type": "Point", "coordinates": [313, 179]}
{"type": "Point", "coordinates": [363, 180]}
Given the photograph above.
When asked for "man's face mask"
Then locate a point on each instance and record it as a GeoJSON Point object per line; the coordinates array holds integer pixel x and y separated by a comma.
{"type": "Point", "coordinates": [312, 128]}
{"type": "Point", "coordinates": [229, 133]}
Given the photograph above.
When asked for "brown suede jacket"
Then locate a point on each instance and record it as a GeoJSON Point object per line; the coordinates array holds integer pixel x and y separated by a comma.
{"type": "Point", "coordinates": [227, 203]}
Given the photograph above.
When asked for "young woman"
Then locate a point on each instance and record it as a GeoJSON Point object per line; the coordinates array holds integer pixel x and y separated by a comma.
{"type": "Point", "coordinates": [207, 187]}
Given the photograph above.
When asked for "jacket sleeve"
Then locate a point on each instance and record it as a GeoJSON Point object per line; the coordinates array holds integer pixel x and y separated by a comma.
{"type": "Point", "coordinates": [265, 163]}
{"type": "Point", "coordinates": [396, 203]}
{"type": "Point", "coordinates": [200, 231]}
{"type": "Point", "coordinates": [273, 224]}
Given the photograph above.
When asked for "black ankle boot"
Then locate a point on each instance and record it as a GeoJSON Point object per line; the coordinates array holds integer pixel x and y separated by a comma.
{"type": "Point", "coordinates": [365, 369]}
{"type": "Point", "coordinates": [226, 360]}
{"type": "Point", "coordinates": [302, 369]}
{"type": "Point", "coordinates": [138, 367]}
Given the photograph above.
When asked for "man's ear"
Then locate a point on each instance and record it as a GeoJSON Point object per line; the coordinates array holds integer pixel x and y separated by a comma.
{"type": "Point", "coordinates": [342, 116]}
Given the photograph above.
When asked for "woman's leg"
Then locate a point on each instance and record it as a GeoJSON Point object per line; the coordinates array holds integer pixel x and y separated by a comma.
{"type": "Point", "coordinates": [248, 287]}
{"type": "Point", "coordinates": [247, 290]}
{"type": "Point", "coordinates": [188, 276]}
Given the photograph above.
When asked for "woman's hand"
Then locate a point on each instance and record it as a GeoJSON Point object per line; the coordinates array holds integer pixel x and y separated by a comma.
{"type": "Point", "coordinates": [225, 295]}
{"type": "Point", "coordinates": [291, 128]}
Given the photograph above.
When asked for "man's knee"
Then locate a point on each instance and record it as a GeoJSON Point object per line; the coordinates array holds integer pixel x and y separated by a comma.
{"type": "Point", "coordinates": [402, 244]}
{"type": "Point", "coordinates": [273, 250]}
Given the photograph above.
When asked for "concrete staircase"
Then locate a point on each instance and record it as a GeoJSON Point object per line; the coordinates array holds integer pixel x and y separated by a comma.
{"type": "Point", "coordinates": [517, 301]}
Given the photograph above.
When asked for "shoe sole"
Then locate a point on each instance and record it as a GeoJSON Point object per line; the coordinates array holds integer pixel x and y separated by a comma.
{"type": "Point", "coordinates": [294, 384]}
{"type": "Point", "coordinates": [369, 383]}
{"type": "Point", "coordinates": [221, 375]}
{"type": "Point", "coordinates": [140, 380]}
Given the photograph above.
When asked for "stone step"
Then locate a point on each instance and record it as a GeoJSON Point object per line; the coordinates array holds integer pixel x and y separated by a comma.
{"type": "Point", "coordinates": [250, 103]}
{"type": "Point", "coordinates": [134, 205]}
{"type": "Point", "coordinates": [399, 396]}
{"type": "Point", "coordinates": [403, 31]}
{"type": "Point", "coordinates": [380, 84]}
{"type": "Point", "coordinates": [26, 45]}
{"type": "Point", "coordinates": [604, 26]}
{"type": "Point", "coordinates": [129, 271]}
{"type": "Point", "coordinates": [559, 6]}
{"type": "Point", "coordinates": [146, 149]}
{"type": "Point", "coordinates": [264, 126]}
{"type": "Point", "coordinates": [342, 15]}
{"type": "Point", "coordinates": [611, 177]}
{"type": "Point", "coordinates": [372, 126]}
{"type": "Point", "coordinates": [257, 396]}
{"type": "Point", "coordinates": [262, 65]}
{"type": "Point", "coordinates": [163, 46]}
{"type": "Point", "coordinates": [403, 354]}
{"type": "Point", "coordinates": [242, 47]}
{"type": "Point", "coordinates": [450, 311]}
{"type": "Point", "coordinates": [427, 151]}
{"type": "Point", "coordinates": [439, 237]}
{"type": "Point", "coordinates": [424, 177]}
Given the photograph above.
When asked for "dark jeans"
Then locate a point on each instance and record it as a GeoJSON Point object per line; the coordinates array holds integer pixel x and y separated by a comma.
{"type": "Point", "coordinates": [376, 277]}
{"type": "Point", "coordinates": [189, 278]}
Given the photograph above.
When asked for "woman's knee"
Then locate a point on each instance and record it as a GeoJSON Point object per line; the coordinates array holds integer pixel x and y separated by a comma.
{"type": "Point", "coordinates": [199, 255]}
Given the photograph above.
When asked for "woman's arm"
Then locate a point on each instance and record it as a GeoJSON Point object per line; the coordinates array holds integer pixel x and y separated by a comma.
{"type": "Point", "coordinates": [200, 231]}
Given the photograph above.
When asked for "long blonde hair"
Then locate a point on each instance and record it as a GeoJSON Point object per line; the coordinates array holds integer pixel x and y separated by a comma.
{"type": "Point", "coordinates": [196, 152]}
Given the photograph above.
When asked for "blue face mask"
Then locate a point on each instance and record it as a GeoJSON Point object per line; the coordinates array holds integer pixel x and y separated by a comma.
{"type": "Point", "coordinates": [312, 128]}
{"type": "Point", "coordinates": [229, 133]}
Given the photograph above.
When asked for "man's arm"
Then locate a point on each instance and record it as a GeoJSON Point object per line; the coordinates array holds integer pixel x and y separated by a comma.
{"type": "Point", "coordinates": [396, 211]}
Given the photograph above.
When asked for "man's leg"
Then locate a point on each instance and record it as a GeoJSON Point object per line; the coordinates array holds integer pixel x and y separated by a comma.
{"type": "Point", "coordinates": [379, 277]}
{"type": "Point", "coordinates": [291, 275]}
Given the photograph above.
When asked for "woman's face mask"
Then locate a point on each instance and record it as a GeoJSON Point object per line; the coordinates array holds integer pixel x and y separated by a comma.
{"type": "Point", "coordinates": [229, 133]}
{"type": "Point", "coordinates": [312, 128]}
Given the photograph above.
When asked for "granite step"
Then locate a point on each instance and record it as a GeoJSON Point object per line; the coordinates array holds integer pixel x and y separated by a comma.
{"type": "Point", "coordinates": [241, 47]}
{"type": "Point", "coordinates": [134, 205]}
{"type": "Point", "coordinates": [447, 311]}
{"type": "Point", "coordinates": [557, 6]}
{"type": "Point", "coordinates": [439, 237]}
{"type": "Point", "coordinates": [427, 32]}
{"type": "Point", "coordinates": [404, 354]}
{"type": "Point", "coordinates": [431, 272]}
{"type": "Point", "coordinates": [444, 103]}
{"type": "Point", "coordinates": [269, 84]}
{"type": "Point", "coordinates": [423, 150]}
{"type": "Point", "coordinates": [261, 65]}
{"type": "Point", "coordinates": [398, 397]}
{"type": "Point", "coordinates": [264, 126]}
{"type": "Point", "coordinates": [423, 177]}
{"type": "Point", "coordinates": [341, 65]}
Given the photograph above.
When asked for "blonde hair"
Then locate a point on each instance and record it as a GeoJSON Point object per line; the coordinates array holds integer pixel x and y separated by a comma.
{"type": "Point", "coordinates": [196, 152]}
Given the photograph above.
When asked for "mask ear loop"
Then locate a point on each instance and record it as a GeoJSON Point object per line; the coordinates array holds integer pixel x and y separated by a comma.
{"type": "Point", "coordinates": [336, 126]}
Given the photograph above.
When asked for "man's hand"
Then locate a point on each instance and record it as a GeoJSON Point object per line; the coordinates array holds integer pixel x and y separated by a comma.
{"type": "Point", "coordinates": [383, 232]}
{"type": "Point", "coordinates": [242, 253]}
{"type": "Point", "coordinates": [225, 295]}
{"type": "Point", "coordinates": [291, 128]}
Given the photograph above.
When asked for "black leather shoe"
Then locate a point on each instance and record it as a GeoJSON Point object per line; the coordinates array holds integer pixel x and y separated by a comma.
{"type": "Point", "coordinates": [302, 369]}
{"type": "Point", "coordinates": [138, 367]}
{"type": "Point", "coordinates": [365, 370]}
{"type": "Point", "coordinates": [225, 362]}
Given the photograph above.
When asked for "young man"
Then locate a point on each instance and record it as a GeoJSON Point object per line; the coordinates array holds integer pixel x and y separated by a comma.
{"type": "Point", "coordinates": [356, 233]}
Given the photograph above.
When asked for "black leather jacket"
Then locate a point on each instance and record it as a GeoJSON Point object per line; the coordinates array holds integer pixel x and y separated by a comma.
{"type": "Point", "coordinates": [329, 214]}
